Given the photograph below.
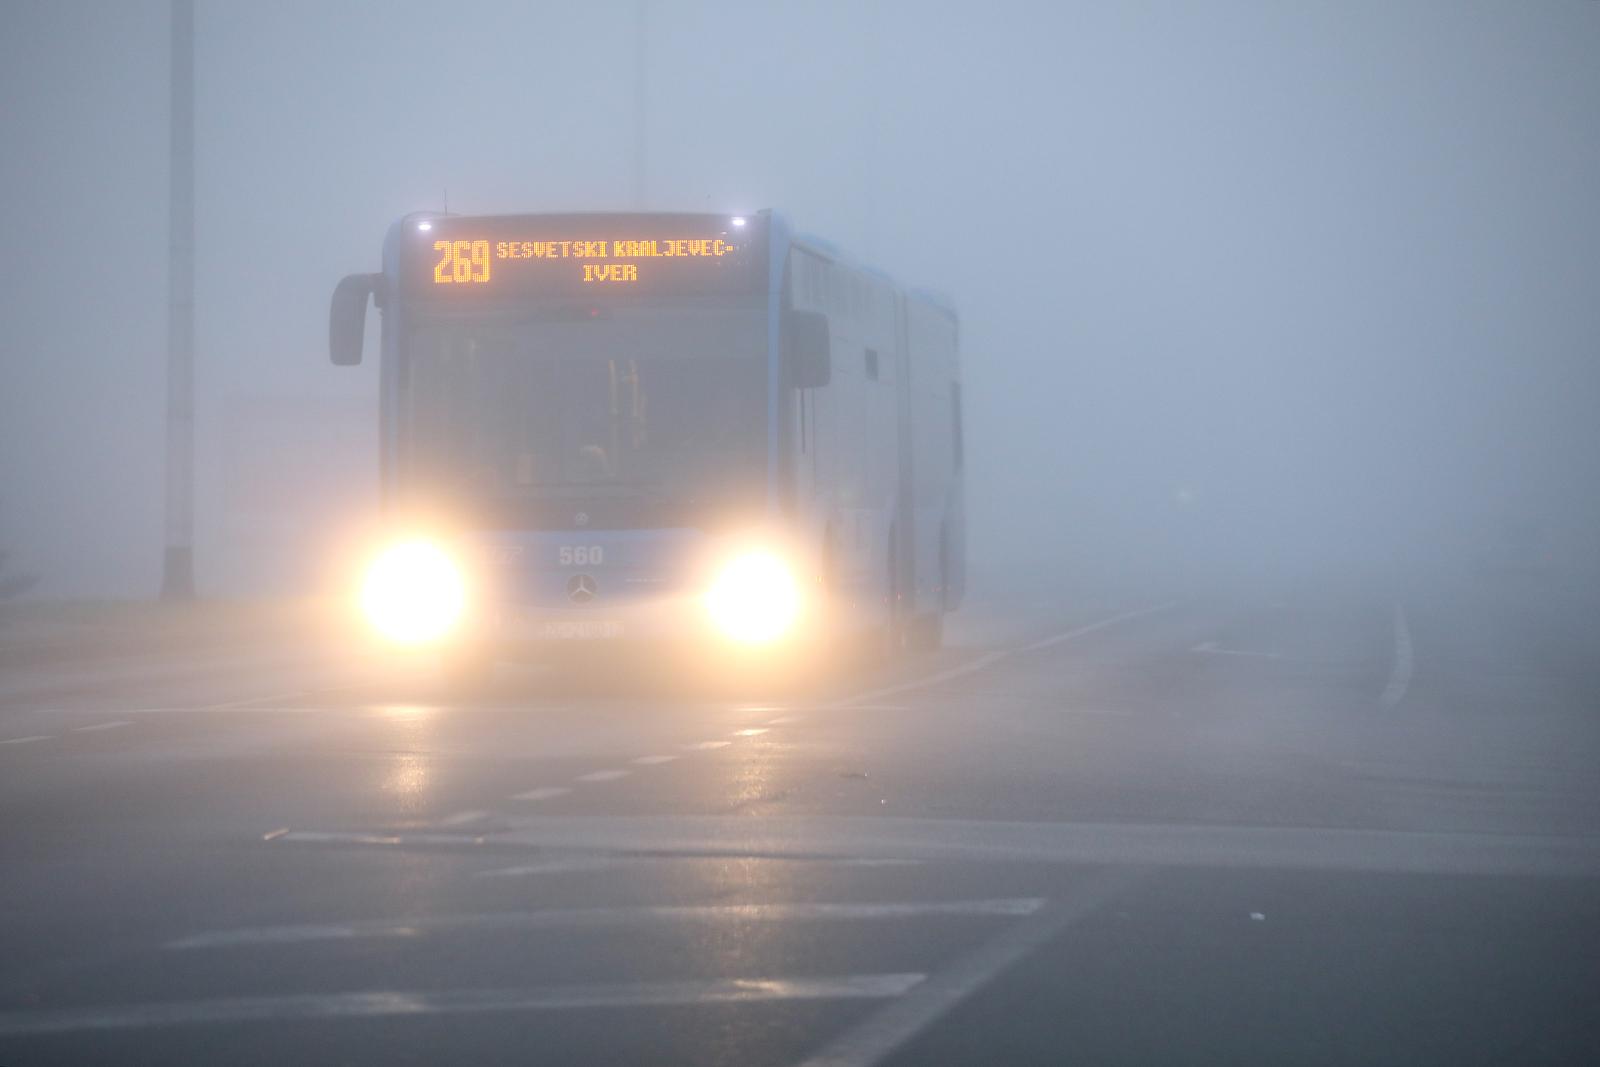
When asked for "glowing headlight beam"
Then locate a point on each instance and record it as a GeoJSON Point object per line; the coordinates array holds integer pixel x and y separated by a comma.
{"type": "Point", "coordinates": [413, 593]}
{"type": "Point", "coordinates": [755, 599]}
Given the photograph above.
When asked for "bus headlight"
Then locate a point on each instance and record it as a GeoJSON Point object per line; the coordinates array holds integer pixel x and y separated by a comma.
{"type": "Point", "coordinates": [414, 593]}
{"type": "Point", "coordinates": [755, 599]}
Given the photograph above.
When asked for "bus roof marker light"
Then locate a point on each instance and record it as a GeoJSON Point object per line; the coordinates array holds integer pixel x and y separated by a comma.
{"type": "Point", "coordinates": [424, 226]}
{"type": "Point", "coordinates": [738, 220]}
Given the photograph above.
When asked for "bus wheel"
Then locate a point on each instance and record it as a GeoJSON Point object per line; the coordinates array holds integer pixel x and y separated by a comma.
{"type": "Point", "coordinates": [892, 639]}
{"type": "Point", "coordinates": [927, 632]}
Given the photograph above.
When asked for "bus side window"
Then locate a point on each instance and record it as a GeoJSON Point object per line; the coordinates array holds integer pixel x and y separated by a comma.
{"type": "Point", "coordinates": [955, 423]}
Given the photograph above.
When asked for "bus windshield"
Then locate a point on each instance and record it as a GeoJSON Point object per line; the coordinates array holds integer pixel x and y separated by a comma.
{"type": "Point", "coordinates": [668, 406]}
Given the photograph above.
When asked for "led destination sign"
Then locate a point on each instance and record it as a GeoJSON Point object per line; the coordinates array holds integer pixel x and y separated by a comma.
{"type": "Point", "coordinates": [571, 255]}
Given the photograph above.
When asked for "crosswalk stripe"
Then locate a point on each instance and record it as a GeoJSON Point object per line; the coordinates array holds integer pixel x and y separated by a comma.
{"type": "Point", "coordinates": [1004, 907]}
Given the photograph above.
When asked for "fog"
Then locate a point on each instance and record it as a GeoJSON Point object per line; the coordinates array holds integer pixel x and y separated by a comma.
{"type": "Point", "coordinates": [1248, 292]}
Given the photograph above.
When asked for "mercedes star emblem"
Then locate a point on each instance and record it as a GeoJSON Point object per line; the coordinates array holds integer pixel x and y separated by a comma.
{"type": "Point", "coordinates": [580, 589]}
{"type": "Point", "coordinates": [581, 518]}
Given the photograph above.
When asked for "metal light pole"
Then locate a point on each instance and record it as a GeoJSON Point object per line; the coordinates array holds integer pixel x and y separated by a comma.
{"type": "Point", "coordinates": [873, 113]}
{"type": "Point", "coordinates": [639, 103]}
{"type": "Point", "coordinates": [177, 572]}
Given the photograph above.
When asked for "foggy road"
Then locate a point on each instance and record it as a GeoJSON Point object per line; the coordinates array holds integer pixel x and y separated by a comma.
{"type": "Point", "coordinates": [1125, 829]}
{"type": "Point", "coordinates": [1156, 445]}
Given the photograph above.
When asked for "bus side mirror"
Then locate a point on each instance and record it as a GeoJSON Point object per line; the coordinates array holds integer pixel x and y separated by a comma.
{"type": "Point", "coordinates": [347, 317]}
{"type": "Point", "coordinates": [809, 353]}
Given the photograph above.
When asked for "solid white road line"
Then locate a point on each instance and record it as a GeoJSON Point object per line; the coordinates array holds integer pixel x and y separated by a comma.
{"type": "Point", "coordinates": [355, 837]}
{"type": "Point", "coordinates": [1100, 844]}
{"type": "Point", "coordinates": [610, 775]}
{"type": "Point", "coordinates": [578, 863]}
{"type": "Point", "coordinates": [1214, 649]}
{"type": "Point", "coordinates": [598, 918]}
{"type": "Point", "coordinates": [1400, 670]}
{"type": "Point", "coordinates": [881, 1033]}
{"type": "Point", "coordinates": [1079, 631]}
{"type": "Point", "coordinates": [26, 740]}
{"type": "Point", "coordinates": [335, 837]}
{"type": "Point", "coordinates": [280, 703]}
{"type": "Point", "coordinates": [101, 726]}
{"type": "Point", "coordinates": [981, 663]}
{"type": "Point", "coordinates": [379, 1003]}
{"type": "Point", "coordinates": [544, 792]}
{"type": "Point", "coordinates": [986, 661]}
{"type": "Point", "coordinates": [284, 698]}
{"type": "Point", "coordinates": [651, 761]}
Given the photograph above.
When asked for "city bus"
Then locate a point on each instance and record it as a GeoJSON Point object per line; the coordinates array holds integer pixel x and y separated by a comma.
{"type": "Point", "coordinates": [656, 427]}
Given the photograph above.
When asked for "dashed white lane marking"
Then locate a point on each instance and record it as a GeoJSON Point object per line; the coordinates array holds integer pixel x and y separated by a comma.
{"type": "Point", "coordinates": [984, 662]}
{"type": "Point", "coordinates": [703, 746]}
{"type": "Point", "coordinates": [783, 720]}
{"type": "Point", "coordinates": [377, 1003]}
{"type": "Point", "coordinates": [26, 740]}
{"type": "Point", "coordinates": [651, 761]}
{"type": "Point", "coordinates": [609, 775]}
{"type": "Point", "coordinates": [593, 918]}
{"type": "Point", "coordinates": [462, 818]}
{"type": "Point", "coordinates": [877, 1036]}
{"type": "Point", "coordinates": [1400, 671]}
{"type": "Point", "coordinates": [544, 792]}
{"type": "Point", "coordinates": [754, 731]}
{"type": "Point", "coordinates": [101, 726]}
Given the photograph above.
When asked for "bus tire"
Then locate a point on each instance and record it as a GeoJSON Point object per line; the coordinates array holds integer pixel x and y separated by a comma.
{"type": "Point", "coordinates": [892, 640]}
{"type": "Point", "coordinates": [927, 632]}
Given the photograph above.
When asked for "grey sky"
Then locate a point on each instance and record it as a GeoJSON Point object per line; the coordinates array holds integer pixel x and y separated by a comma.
{"type": "Point", "coordinates": [1330, 269]}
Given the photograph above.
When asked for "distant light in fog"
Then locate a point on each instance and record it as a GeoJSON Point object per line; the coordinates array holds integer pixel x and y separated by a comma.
{"type": "Point", "coordinates": [738, 222]}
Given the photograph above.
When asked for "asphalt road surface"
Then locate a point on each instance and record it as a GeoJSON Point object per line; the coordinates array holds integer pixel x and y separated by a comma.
{"type": "Point", "coordinates": [1103, 829]}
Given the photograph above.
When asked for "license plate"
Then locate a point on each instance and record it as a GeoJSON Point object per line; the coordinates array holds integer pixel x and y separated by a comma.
{"type": "Point", "coordinates": [580, 630]}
